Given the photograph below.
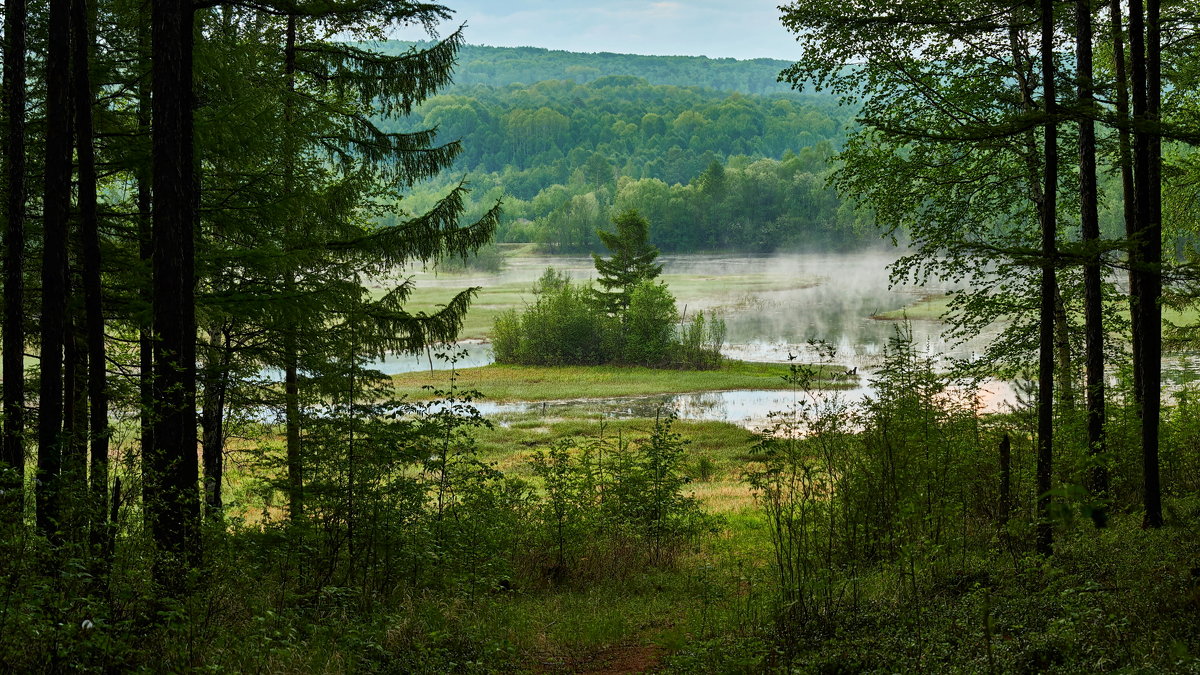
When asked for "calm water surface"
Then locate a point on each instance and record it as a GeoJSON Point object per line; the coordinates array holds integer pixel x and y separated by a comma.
{"type": "Point", "coordinates": [792, 300]}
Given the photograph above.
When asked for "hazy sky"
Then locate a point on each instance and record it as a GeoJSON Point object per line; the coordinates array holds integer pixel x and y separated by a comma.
{"type": "Point", "coordinates": [741, 29]}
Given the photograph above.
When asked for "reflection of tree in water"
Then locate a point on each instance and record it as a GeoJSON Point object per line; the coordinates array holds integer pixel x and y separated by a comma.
{"type": "Point", "coordinates": [708, 405]}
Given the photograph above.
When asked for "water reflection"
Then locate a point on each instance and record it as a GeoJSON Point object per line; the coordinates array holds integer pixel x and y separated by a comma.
{"type": "Point", "coordinates": [746, 408]}
{"type": "Point", "coordinates": [467, 354]}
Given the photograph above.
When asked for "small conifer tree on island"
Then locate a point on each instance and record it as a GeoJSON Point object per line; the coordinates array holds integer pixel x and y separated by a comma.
{"type": "Point", "coordinates": [632, 262]}
{"type": "Point", "coordinates": [631, 319]}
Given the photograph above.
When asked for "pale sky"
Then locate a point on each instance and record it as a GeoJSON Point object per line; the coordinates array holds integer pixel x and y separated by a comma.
{"type": "Point", "coordinates": [743, 29]}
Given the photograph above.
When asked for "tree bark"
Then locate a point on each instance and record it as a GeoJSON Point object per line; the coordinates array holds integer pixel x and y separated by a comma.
{"type": "Point", "coordinates": [12, 450]}
{"type": "Point", "coordinates": [56, 199]}
{"type": "Point", "coordinates": [89, 235]}
{"type": "Point", "coordinates": [73, 485]}
{"type": "Point", "coordinates": [1062, 348]}
{"type": "Point", "coordinates": [1093, 299]}
{"type": "Point", "coordinates": [1146, 247]}
{"type": "Point", "coordinates": [1150, 241]}
{"type": "Point", "coordinates": [212, 419]}
{"type": "Point", "coordinates": [174, 508]}
{"type": "Point", "coordinates": [1128, 191]}
{"type": "Point", "coordinates": [145, 253]}
{"type": "Point", "coordinates": [1049, 286]}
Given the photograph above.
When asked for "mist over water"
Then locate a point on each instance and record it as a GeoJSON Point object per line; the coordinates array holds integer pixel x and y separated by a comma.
{"type": "Point", "coordinates": [773, 306]}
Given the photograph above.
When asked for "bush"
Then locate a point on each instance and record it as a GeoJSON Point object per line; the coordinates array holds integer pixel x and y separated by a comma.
{"type": "Point", "coordinates": [612, 503]}
{"type": "Point", "coordinates": [649, 327]}
{"type": "Point", "coordinates": [565, 326]}
{"type": "Point", "coordinates": [560, 328]}
{"type": "Point", "coordinates": [485, 259]}
{"type": "Point", "coordinates": [700, 342]}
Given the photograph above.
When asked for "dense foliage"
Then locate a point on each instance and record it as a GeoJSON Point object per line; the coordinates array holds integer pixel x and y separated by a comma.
{"type": "Point", "coordinates": [566, 325]}
{"type": "Point", "coordinates": [567, 156]}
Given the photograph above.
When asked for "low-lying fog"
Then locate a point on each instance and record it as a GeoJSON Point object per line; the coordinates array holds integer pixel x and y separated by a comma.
{"type": "Point", "coordinates": [772, 306]}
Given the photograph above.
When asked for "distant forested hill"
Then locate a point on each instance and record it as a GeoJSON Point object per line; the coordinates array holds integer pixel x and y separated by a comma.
{"type": "Point", "coordinates": [714, 169]}
{"type": "Point", "coordinates": [543, 133]}
{"type": "Point", "coordinates": [501, 66]}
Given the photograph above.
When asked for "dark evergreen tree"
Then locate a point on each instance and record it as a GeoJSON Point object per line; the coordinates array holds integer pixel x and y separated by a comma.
{"type": "Point", "coordinates": [631, 262]}
{"type": "Point", "coordinates": [83, 30]}
{"type": "Point", "coordinates": [326, 175]}
{"type": "Point", "coordinates": [1147, 258]}
{"type": "Point", "coordinates": [12, 452]}
{"type": "Point", "coordinates": [1048, 215]}
{"type": "Point", "coordinates": [56, 204]}
{"type": "Point", "coordinates": [1093, 269]}
{"type": "Point", "coordinates": [170, 465]}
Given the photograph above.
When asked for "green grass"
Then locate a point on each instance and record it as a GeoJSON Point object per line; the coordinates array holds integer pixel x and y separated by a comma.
{"type": "Point", "coordinates": [718, 453]}
{"type": "Point", "coordinates": [1181, 317]}
{"type": "Point", "coordinates": [549, 383]}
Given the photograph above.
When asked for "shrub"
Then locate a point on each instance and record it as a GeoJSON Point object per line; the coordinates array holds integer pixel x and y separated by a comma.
{"type": "Point", "coordinates": [700, 342]}
{"type": "Point", "coordinates": [649, 325]}
{"type": "Point", "coordinates": [618, 503]}
{"type": "Point", "coordinates": [560, 328]}
{"type": "Point", "coordinates": [566, 326]}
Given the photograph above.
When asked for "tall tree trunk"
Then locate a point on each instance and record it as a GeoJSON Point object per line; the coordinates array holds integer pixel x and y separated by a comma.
{"type": "Point", "coordinates": [83, 21]}
{"type": "Point", "coordinates": [1146, 254]}
{"type": "Point", "coordinates": [56, 198]}
{"type": "Point", "coordinates": [173, 468]}
{"type": "Point", "coordinates": [1128, 191]}
{"type": "Point", "coordinates": [1093, 300]}
{"type": "Point", "coordinates": [73, 485]}
{"type": "Point", "coordinates": [1062, 349]}
{"type": "Point", "coordinates": [1049, 289]}
{"type": "Point", "coordinates": [12, 451]}
{"type": "Point", "coordinates": [291, 357]}
{"type": "Point", "coordinates": [212, 418]}
{"type": "Point", "coordinates": [1150, 240]}
{"type": "Point", "coordinates": [145, 250]}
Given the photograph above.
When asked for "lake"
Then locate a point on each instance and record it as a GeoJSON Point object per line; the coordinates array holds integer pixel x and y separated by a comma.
{"type": "Point", "coordinates": [773, 307]}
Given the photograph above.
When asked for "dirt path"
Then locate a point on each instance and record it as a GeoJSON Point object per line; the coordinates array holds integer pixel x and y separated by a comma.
{"type": "Point", "coordinates": [618, 660]}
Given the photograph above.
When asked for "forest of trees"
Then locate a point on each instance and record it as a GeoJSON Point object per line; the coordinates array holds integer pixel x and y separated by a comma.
{"type": "Point", "coordinates": [568, 156]}
{"type": "Point", "coordinates": [189, 194]}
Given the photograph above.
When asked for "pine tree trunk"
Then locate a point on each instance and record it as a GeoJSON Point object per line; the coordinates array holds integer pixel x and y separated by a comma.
{"type": "Point", "coordinates": [1147, 243]}
{"type": "Point", "coordinates": [1049, 287]}
{"type": "Point", "coordinates": [56, 198]}
{"type": "Point", "coordinates": [74, 485]}
{"type": "Point", "coordinates": [1150, 240]}
{"type": "Point", "coordinates": [1093, 299]}
{"type": "Point", "coordinates": [12, 451]}
{"type": "Point", "coordinates": [212, 419]}
{"type": "Point", "coordinates": [1128, 191]}
{"type": "Point", "coordinates": [1062, 348]}
{"type": "Point", "coordinates": [145, 254]}
{"type": "Point", "coordinates": [83, 22]}
{"type": "Point", "coordinates": [174, 506]}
